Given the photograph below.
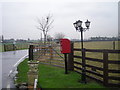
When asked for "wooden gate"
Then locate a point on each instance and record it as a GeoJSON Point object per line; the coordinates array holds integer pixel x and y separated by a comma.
{"type": "Point", "coordinates": [47, 54]}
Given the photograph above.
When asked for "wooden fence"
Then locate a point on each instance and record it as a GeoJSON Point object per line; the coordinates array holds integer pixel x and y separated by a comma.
{"type": "Point", "coordinates": [99, 73]}
{"type": "Point", "coordinates": [11, 47]}
{"type": "Point", "coordinates": [49, 54]}
{"type": "Point", "coordinates": [98, 70]}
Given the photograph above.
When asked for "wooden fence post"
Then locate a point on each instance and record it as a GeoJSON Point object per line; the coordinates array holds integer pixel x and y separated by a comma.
{"type": "Point", "coordinates": [13, 46]}
{"type": "Point", "coordinates": [70, 59]}
{"type": "Point", "coordinates": [4, 47]}
{"type": "Point", "coordinates": [31, 52]}
{"type": "Point", "coordinates": [113, 45]}
{"type": "Point", "coordinates": [105, 68]}
{"type": "Point", "coordinates": [51, 52]}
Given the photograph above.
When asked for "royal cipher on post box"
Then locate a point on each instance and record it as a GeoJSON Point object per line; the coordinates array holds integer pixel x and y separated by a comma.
{"type": "Point", "coordinates": [65, 46]}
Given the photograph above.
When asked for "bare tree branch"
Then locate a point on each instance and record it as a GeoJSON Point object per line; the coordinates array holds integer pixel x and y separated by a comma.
{"type": "Point", "coordinates": [45, 25]}
{"type": "Point", "coordinates": [40, 23]}
{"type": "Point", "coordinates": [39, 28]}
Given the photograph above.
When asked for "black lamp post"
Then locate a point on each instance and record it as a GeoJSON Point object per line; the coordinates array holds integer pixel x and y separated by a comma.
{"type": "Point", "coordinates": [79, 28]}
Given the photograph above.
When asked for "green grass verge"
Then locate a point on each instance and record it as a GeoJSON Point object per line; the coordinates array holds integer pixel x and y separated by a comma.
{"type": "Point", "coordinates": [54, 77]}
{"type": "Point", "coordinates": [22, 72]}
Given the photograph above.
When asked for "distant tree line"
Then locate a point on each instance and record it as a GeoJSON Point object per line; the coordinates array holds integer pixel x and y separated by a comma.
{"type": "Point", "coordinates": [56, 38]}
{"type": "Point", "coordinates": [49, 38]}
{"type": "Point", "coordinates": [104, 38]}
{"type": "Point", "coordinates": [12, 41]}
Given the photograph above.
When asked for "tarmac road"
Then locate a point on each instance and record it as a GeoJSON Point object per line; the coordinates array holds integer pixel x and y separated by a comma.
{"type": "Point", "coordinates": [10, 60]}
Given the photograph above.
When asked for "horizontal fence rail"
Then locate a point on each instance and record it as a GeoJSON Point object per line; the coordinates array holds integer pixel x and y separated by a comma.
{"type": "Point", "coordinates": [98, 69]}
{"type": "Point", "coordinates": [98, 50]}
{"type": "Point", "coordinates": [104, 71]}
{"type": "Point", "coordinates": [48, 54]}
{"type": "Point", "coordinates": [11, 47]}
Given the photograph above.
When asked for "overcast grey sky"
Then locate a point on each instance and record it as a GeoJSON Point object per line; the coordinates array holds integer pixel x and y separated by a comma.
{"type": "Point", "coordinates": [19, 18]}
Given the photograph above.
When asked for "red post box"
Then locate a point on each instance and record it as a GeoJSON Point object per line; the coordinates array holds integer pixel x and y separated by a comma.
{"type": "Point", "coordinates": [65, 45]}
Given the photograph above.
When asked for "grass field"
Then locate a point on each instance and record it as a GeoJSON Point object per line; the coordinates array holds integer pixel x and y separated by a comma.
{"type": "Point", "coordinates": [98, 45]}
{"type": "Point", "coordinates": [54, 77]}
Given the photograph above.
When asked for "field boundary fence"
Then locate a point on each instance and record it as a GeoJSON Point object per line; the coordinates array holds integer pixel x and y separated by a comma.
{"type": "Point", "coordinates": [12, 47]}
{"type": "Point", "coordinates": [9, 47]}
{"type": "Point", "coordinates": [103, 77]}
{"type": "Point", "coordinates": [50, 54]}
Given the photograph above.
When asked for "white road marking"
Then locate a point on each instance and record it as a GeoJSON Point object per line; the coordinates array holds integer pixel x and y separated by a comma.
{"type": "Point", "coordinates": [20, 60]}
{"type": "Point", "coordinates": [10, 72]}
{"type": "Point", "coordinates": [14, 67]}
{"type": "Point", "coordinates": [16, 64]}
{"type": "Point", "coordinates": [8, 85]}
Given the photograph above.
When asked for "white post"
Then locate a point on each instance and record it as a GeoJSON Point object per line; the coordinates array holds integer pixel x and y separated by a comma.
{"type": "Point", "coordinates": [35, 84]}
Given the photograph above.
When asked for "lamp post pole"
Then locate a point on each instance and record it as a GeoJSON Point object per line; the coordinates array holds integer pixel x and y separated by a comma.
{"type": "Point", "coordinates": [78, 26]}
{"type": "Point", "coordinates": [81, 39]}
{"type": "Point", "coordinates": [83, 61]}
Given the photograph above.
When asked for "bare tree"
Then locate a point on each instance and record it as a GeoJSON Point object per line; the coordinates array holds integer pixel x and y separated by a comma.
{"type": "Point", "coordinates": [59, 35]}
{"type": "Point", "coordinates": [45, 25]}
